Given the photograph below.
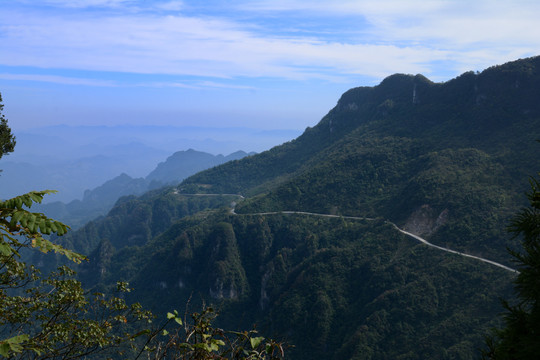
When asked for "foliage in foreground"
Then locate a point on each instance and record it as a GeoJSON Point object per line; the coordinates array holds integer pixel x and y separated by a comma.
{"type": "Point", "coordinates": [520, 338]}
{"type": "Point", "coordinates": [54, 317]}
{"type": "Point", "coordinates": [200, 340]}
{"type": "Point", "coordinates": [7, 140]}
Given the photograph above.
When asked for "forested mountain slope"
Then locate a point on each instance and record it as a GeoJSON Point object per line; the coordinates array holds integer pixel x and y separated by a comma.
{"type": "Point", "coordinates": [491, 111]}
{"type": "Point", "coordinates": [446, 161]}
{"type": "Point", "coordinates": [99, 201]}
{"type": "Point", "coordinates": [460, 149]}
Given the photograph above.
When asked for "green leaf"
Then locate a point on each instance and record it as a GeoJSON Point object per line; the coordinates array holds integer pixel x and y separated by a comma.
{"type": "Point", "coordinates": [44, 227]}
{"type": "Point", "coordinates": [202, 346]}
{"type": "Point", "coordinates": [16, 217]}
{"type": "Point", "coordinates": [140, 333]}
{"type": "Point", "coordinates": [5, 249]}
{"type": "Point", "coordinates": [31, 222]}
{"type": "Point", "coordinates": [4, 349]}
{"type": "Point", "coordinates": [53, 227]}
{"type": "Point", "coordinates": [12, 345]}
{"type": "Point", "coordinates": [165, 332]}
{"type": "Point", "coordinates": [214, 347]}
{"type": "Point", "coordinates": [45, 246]}
{"type": "Point", "coordinates": [256, 341]}
{"type": "Point", "coordinates": [24, 218]}
{"type": "Point", "coordinates": [35, 197]}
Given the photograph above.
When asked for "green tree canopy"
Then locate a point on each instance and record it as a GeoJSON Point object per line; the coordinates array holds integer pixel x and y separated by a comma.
{"type": "Point", "coordinates": [7, 140]}
{"type": "Point", "coordinates": [53, 317]}
{"type": "Point", "coordinates": [520, 338]}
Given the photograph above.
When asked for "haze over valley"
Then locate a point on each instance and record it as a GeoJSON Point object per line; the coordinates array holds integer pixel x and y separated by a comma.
{"type": "Point", "coordinates": [72, 159]}
{"type": "Point", "coordinates": [270, 180]}
{"type": "Point", "coordinates": [358, 210]}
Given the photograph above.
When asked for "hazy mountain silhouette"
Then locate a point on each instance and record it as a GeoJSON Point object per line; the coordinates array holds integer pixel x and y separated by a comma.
{"type": "Point", "coordinates": [445, 161]}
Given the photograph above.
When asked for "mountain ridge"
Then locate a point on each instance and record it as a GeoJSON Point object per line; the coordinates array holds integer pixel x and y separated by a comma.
{"type": "Point", "coordinates": [98, 201]}
{"type": "Point", "coordinates": [449, 156]}
{"type": "Point", "coordinates": [397, 92]}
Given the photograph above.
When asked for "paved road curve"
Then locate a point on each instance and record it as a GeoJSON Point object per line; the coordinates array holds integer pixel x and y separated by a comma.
{"type": "Point", "coordinates": [416, 237]}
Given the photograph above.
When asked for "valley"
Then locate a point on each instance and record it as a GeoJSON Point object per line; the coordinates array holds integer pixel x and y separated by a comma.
{"type": "Point", "coordinates": [422, 240]}
{"type": "Point", "coordinates": [379, 233]}
{"type": "Point", "coordinates": [269, 180]}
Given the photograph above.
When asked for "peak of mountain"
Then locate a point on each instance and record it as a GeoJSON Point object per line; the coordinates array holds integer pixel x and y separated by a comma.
{"type": "Point", "coordinates": [111, 190]}
{"type": "Point", "coordinates": [237, 155]}
{"type": "Point", "coordinates": [481, 111]}
{"type": "Point", "coordinates": [184, 163]}
{"type": "Point", "coordinates": [100, 200]}
{"type": "Point", "coordinates": [311, 251]}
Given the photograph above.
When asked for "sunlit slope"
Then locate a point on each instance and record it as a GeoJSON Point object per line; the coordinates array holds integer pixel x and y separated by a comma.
{"type": "Point", "coordinates": [445, 161]}
{"type": "Point", "coordinates": [495, 111]}
{"type": "Point", "coordinates": [408, 149]}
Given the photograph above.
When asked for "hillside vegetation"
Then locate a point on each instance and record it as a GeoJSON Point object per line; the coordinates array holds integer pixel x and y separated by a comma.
{"type": "Point", "coordinates": [446, 161]}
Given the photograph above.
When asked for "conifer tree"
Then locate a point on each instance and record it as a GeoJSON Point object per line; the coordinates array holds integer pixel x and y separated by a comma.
{"type": "Point", "coordinates": [7, 140]}
{"type": "Point", "coordinates": [520, 338]}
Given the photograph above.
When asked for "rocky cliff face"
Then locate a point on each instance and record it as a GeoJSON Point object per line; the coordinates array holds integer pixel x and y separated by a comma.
{"type": "Point", "coordinates": [425, 221]}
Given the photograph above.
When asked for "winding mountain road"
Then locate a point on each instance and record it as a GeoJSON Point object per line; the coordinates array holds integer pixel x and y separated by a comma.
{"type": "Point", "coordinates": [416, 237]}
{"type": "Point", "coordinates": [424, 241]}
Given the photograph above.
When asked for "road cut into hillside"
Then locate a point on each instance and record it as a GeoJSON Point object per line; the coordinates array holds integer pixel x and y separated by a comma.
{"type": "Point", "coordinates": [414, 236]}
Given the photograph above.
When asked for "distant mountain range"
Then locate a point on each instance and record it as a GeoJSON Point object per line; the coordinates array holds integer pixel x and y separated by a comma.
{"type": "Point", "coordinates": [99, 201]}
{"type": "Point", "coordinates": [182, 164]}
{"type": "Point", "coordinates": [445, 161]}
{"type": "Point", "coordinates": [72, 159]}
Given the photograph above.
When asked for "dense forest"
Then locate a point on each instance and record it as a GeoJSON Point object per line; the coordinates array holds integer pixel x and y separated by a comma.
{"type": "Point", "coordinates": [445, 161]}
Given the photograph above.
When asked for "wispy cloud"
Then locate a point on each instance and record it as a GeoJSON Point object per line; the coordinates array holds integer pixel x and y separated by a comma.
{"type": "Point", "coordinates": [398, 36]}
{"type": "Point", "coordinates": [217, 85]}
{"type": "Point", "coordinates": [64, 80]}
{"type": "Point", "coordinates": [58, 79]}
{"type": "Point", "coordinates": [196, 85]}
{"type": "Point", "coordinates": [479, 32]}
{"type": "Point", "coordinates": [78, 3]}
{"type": "Point", "coordinates": [189, 46]}
{"type": "Point", "coordinates": [171, 5]}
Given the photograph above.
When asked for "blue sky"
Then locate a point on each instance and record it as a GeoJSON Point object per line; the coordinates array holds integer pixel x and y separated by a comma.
{"type": "Point", "coordinates": [268, 64]}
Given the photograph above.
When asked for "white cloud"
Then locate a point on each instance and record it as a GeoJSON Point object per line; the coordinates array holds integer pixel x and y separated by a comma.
{"type": "Point", "coordinates": [187, 46]}
{"type": "Point", "coordinates": [79, 3]}
{"type": "Point", "coordinates": [213, 84]}
{"type": "Point", "coordinates": [64, 80]}
{"type": "Point", "coordinates": [197, 85]}
{"type": "Point", "coordinates": [471, 33]}
{"type": "Point", "coordinates": [341, 7]}
{"type": "Point", "coordinates": [459, 21]}
{"type": "Point", "coordinates": [57, 79]}
{"type": "Point", "coordinates": [401, 36]}
{"type": "Point", "coordinates": [171, 6]}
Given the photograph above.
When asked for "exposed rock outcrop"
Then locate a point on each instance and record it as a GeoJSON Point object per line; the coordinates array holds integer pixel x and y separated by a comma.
{"type": "Point", "coordinates": [425, 221]}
